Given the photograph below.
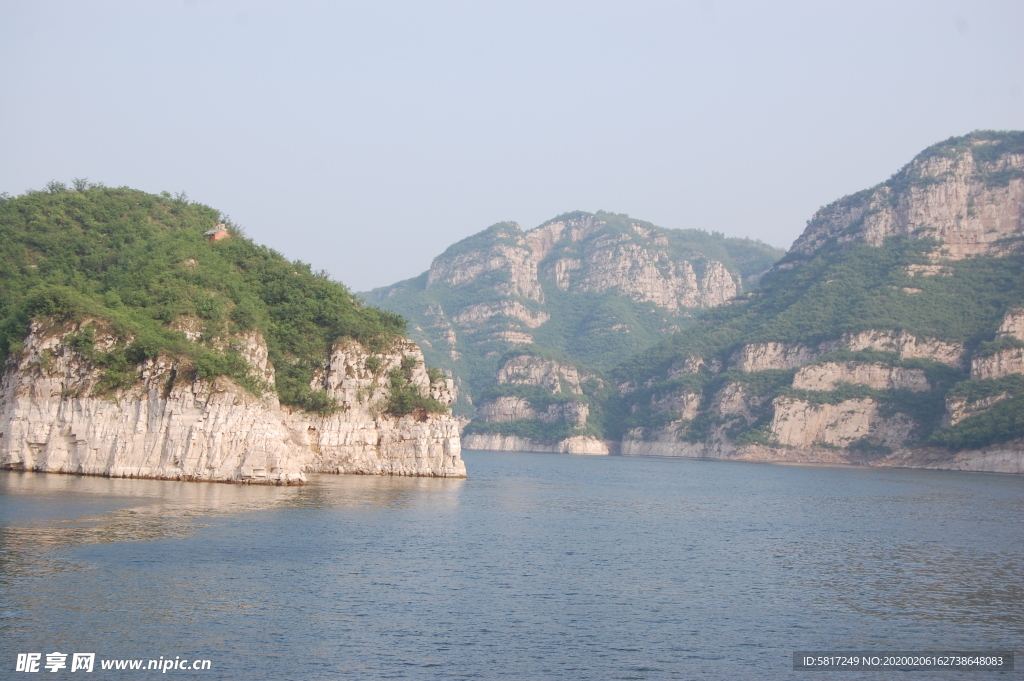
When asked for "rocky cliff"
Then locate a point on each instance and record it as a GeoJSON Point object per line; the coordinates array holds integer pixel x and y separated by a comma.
{"type": "Point", "coordinates": [134, 343]}
{"type": "Point", "coordinates": [964, 193]}
{"type": "Point", "coordinates": [170, 423]}
{"type": "Point", "coordinates": [890, 334]}
{"type": "Point", "coordinates": [539, 404]}
{"type": "Point", "coordinates": [587, 288]}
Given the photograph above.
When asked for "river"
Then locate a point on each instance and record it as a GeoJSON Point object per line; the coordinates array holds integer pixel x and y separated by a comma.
{"type": "Point", "coordinates": [539, 566]}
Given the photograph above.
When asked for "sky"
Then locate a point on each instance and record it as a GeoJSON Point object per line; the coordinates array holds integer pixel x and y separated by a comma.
{"type": "Point", "coordinates": [365, 138]}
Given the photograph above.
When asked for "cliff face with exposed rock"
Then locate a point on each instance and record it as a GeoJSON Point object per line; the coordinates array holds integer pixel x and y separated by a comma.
{"type": "Point", "coordinates": [968, 196]}
{"type": "Point", "coordinates": [588, 289]}
{"type": "Point", "coordinates": [548, 404]}
{"type": "Point", "coordinates": [170, 423]}
{"type": "Point", "coordinates": [890, 334]}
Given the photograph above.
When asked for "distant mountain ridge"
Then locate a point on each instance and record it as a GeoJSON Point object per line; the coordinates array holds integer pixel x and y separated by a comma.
{"type": "Point", "coordinates": [578, 293]}
{"type": "Point", "coordinates": [892, 333]}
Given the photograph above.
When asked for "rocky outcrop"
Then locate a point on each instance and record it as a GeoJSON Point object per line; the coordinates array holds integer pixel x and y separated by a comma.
{"type": "Point", "coordinates": [685, 403]}
{"type": "Point", "coordinates": [533, 370]}
{"type": "Point", "coordinates": [768, 356]}
{"type": "Point", "coordinates": [1012, 326]}
{"type": "Point", "coordinates": [56, 415]}
{"type": "Point", "coordinates": [582, 284]}
{"type": "Point", "coordinates": [590, 258]}
{"type": "Point", "coordinates": [361, 437]}
{"type": "Point", "coordinates": [905, 345]}
{"type": "Point", "coordinates": [477, 315]}
{"type": "Point", "coordinates": [825, 377]}
{"type": "Point", "coordinates": [496, 442]}
{"type": "Point", "coordinates": [564, 382]}
{"type": "Point", "coordinates": [847, 402]}
{"type": "Point", "coordinates": [969, 202]}
{"type": "Point", "coordinates": [617, 263]}
{"type": "Point", "coordinates": [960, 408]}
{"type": "Point", "coordinates": [802, 430]}
{"type": "Point", "coordinates": [516, 261]}
{"type": "Point", "coordinates": [506, 408]}
{"type": "Point", "coordinates": [573, 413]}
{"type": "Point", "coordinates": [1001, 363]}
{"type": "Point", "coordinates": [1005, 361]}
{"type": "Point", "coordinates": [798, 423]}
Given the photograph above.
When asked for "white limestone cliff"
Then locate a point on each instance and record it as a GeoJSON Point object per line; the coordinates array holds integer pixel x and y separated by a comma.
{"type": "Point", "coordinates": [1001, 363]}
{"type": "Point", "coordinates": [1006, 361]}
{"type": "Point", "coordinates": [806, 431]}
{"type": "Point", "coordinates": [172, 424]}
{"type": "Point", "coordinates": [944, 196]}
{"type": "Point", "coordinates": [797, 423]}
{"type": "Point", "coordinates": [589, 258]}
{"type": "Point", "coordinates": [825, 377]}
{"type": "Point", "coordinates": [558, 378]}
{"type": "Point", "coordinates": [496, 442]}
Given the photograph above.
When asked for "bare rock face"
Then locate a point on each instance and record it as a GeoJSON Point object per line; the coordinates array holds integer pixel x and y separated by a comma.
{"type": "Point", "coordinates": [948, 196]}
{"type": "Point", "coordinates": [574, 413]}
{"type": "Point", "coordinates": [596, 288]}
{"type": "Point", "coordinates": [766, 356]}
{"type": "Point", "coordinates": [825, 377]}
{"type": "Point", "coordinates": [685, 403]}
{"type": "Point", "coordinates": [534, 370]}
{"type": "Point", "coordinates": [516, 261]}
{"type": "Point", "coordinates": [55, 416]}
{"type": "Point", "coordinates": [589, 258]}
{"type": "Point", "coordinates": [959, 409]}
{"type": "Point", "coordinates": [733, 400]}
{"type": "Point", "coordinates": [617, 263]}
{"type": "Point", "coordinates": [1002, 363]}
{"type": "Point", "coordinates": [1012, 326]}
{"type": "Point", "coordinates": [478, 315]}
{"type": "Point", "coordinates": [496, 442]}
{"type": "Point", "coordinates": [644, 269]}
{"type": "Point", "coordinates": [905, 345]}
{"type": "Point", "coordinates": [362, 438]}
{"type": "Point", "coordinates": [1006, 361]}
{"type": "Point", "coordinates": [801, 424]}
{"type": "Point", "coordinates": [845, 402]}
{"type": "Point", "coordinates": [799, 430]}
{"type": "Point", "coordinates": [506, 408]}
{"type": "Point", "coordinates": [558, 378]}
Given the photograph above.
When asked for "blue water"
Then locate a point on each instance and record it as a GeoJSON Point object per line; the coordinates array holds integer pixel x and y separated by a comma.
{"type": "Point", "coordinates": [539, 566]}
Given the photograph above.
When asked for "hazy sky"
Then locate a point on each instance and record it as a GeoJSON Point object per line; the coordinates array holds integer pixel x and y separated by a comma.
{"type": "Point", "coordinates": [364, 138]}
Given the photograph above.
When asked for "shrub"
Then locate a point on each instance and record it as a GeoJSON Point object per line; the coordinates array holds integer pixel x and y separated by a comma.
{"type": "Point", "coordinates": [138, 262]}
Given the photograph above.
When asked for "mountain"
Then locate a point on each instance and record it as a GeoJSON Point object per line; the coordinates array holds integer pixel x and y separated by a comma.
{"type": "Point", "coordinates": [537, 318]}
{"type": "Point", "coordinates": [141, 336]}
{"type": "Point", "coordinates": [891, 333]}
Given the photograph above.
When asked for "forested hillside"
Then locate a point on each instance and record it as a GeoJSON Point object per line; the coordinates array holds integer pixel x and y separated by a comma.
{"type": "Point", "coordinates": [576, 295]}
{"type": "Point", "coordinates": [894, 323]}
{"type": "Point", "coordinates": [141, 264]}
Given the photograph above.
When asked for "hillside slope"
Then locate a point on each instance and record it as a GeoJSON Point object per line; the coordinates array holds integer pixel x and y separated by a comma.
{"type": "Point", "coordinates": [535, 317]}
{"type": "Point", "coordinates": [134, 345]}
{"type": "Point", "coordinates": [891, 333]}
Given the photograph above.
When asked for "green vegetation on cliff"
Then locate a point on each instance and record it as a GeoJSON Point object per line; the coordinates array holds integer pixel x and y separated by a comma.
{"type": "Point", "coordinates": [466, 323]}
{"type": "Point", "coordinates": [140, 264]}
{"type": "Point", "coordinates": [847, 290]}
{"type": "Point", "coordinates": [833, 283]}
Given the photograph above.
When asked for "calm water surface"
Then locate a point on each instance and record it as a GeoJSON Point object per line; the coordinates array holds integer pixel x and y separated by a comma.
{"type": "Point", "coordinates": [539, 566]}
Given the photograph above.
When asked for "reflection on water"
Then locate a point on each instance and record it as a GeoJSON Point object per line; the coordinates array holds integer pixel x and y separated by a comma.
{"type": "Point", "coordinates": [42, 512]}
{"type": "Point", "coordinates": [537, 566]}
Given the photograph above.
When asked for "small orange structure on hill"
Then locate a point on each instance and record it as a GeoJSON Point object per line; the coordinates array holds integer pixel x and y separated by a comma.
{"type": "Point", "coordinates": [217, 233]}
